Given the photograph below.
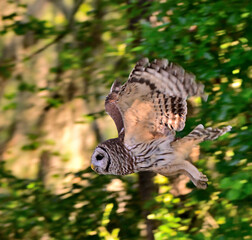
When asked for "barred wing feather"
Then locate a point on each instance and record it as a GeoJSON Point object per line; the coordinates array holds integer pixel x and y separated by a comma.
{"type": "Point", "coordinates": [153, 100]}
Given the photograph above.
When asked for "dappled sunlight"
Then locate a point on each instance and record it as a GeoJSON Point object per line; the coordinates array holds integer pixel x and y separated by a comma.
{"type": "Point", "coordinates": [58, 60]}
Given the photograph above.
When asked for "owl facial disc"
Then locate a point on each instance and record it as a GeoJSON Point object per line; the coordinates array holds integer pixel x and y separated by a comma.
{"type": "Point", "coordinates": [100, 160]}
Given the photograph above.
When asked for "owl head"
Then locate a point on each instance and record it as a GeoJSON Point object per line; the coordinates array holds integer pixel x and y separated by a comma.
{"type": "Point", "coordinates": [101, 160]}
{"type": "Point", "coordinates": [111, 157]}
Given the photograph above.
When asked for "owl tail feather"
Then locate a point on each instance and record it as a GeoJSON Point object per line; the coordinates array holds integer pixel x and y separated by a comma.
{"type": "Point", "coordinates": [183, 147]}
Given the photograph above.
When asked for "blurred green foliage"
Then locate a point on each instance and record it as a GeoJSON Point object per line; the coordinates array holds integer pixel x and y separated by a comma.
{"type": "Point", "coordinates": [212, 39]}
{"type": "Point", "coordinates": [89, 211]}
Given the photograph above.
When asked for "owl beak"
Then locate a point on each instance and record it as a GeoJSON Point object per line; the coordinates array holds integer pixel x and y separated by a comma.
{"type": "Point", "coordinates": [92, 166]}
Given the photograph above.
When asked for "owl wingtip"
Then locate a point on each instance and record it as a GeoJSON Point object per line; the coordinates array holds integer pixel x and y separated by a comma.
{"type": "Point", "coordinates": [205, 97]}
{"type": "Point", "coordinates": [201, 92]}
{"type": "Point", "coordinates": [115, 86]}
{"type": "Point", "coordinates": [200, 126]}
{"type": "Point", "coordinates": [143, 61]}
{"type": "Point", "coordinates": [161, 62]}
{"type": "Point", "coordinates": [228, 128]}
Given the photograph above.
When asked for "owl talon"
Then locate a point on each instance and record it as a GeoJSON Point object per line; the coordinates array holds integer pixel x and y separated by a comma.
{"type": "Point", "coordinates": [202, 182]}
{"type": "Point", "coordinates": [203, 177]}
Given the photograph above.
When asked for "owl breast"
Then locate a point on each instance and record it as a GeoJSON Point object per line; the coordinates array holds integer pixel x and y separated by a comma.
{"type": "Point", "coordinates": [153, 154]}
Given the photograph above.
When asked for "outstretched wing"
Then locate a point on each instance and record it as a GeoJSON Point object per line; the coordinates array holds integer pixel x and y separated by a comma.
{"type": "Point", "coordinates": [111, 106]}
{"type": "Point", "coordinates": [153, 100]}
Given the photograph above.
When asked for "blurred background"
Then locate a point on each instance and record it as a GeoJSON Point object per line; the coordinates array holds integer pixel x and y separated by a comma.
{"type": "Point", "coordinates": [58, 59]}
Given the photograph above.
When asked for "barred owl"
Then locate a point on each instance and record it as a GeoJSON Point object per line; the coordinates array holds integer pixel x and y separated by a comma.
{"type": "Point", "coordinates": [148, 110]}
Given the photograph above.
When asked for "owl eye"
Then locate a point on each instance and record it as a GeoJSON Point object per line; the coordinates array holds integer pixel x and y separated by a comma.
{"type": "Point", "coordinates": [99, 156]}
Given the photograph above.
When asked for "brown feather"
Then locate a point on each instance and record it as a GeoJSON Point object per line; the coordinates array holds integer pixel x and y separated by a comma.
{"type": "Point", "coordinates": [153, 100]}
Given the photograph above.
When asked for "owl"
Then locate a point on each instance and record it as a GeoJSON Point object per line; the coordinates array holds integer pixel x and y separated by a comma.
{"type": "Point", "coordinates": [148, 110]}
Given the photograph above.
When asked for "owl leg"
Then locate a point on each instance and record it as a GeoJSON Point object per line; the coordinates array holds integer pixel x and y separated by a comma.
{"type": "Point", "coordinates": [186, 168]}
{"type": "Point", "coordinates": [183, 147]}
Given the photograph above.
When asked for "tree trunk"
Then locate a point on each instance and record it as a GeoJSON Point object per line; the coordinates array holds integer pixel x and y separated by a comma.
{"type": "Point", "coordinates": [44, 166]}
{"type": "Point", "coordinates": [147, 188]}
